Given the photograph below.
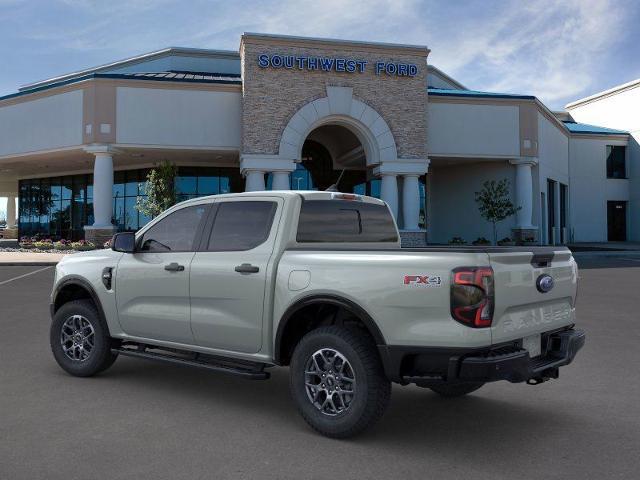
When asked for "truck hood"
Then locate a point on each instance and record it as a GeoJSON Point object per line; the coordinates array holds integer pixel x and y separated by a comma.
{"type": "Point", "coordinates": [105, 254]}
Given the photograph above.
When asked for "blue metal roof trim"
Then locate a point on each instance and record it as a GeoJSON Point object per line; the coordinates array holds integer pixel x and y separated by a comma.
{"type": "Point", "coordinates": [227, 79]}
{"type": "Point", "coordinates": [585, 128]}
{"type": "Point", "coordinates": [444, 92]}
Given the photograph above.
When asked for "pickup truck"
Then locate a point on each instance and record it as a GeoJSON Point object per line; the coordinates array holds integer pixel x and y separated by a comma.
{"type": "Point", "coordinates": [316, 281]}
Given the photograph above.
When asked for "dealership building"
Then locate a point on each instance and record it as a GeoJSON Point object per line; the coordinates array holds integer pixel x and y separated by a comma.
{"type": "Point", "coordinates": [302, 113]}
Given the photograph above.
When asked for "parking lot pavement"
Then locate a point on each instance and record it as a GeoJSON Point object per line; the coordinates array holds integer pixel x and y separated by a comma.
{"type": "Point", "coordinates": [10, 274]}
{"type": "Point", "coordinates": [147, 420]}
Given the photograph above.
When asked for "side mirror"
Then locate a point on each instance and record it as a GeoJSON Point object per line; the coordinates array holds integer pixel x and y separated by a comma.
{"type": "Point", "coordinates": [124, 242]}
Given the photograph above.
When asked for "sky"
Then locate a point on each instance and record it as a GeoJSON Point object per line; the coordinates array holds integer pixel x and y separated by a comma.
{"type": "Point", "coordinates": [557, 50]}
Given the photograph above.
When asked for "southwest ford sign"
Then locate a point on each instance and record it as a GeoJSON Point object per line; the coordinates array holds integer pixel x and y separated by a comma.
{"type": "Point", "coordinates": [333, 64]}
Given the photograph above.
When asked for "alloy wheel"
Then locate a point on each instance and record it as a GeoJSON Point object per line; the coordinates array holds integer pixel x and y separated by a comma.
{"type": "Point", "coordinates": [330, 381]}
{"type": "Point", "coordinates": [77, 338]}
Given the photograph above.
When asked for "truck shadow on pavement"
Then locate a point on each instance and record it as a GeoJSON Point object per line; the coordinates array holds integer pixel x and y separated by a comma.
{"type": "Point", "coordinates": [604, 262]}
{"type": "Point", "coordinates": [417, 418]}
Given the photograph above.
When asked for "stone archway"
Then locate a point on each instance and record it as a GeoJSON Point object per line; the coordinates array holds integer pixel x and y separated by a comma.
{"type": "Point", "coordinates": [340, 108]}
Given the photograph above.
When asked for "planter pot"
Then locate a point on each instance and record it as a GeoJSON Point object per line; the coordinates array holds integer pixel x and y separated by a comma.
{"type": "Point", "coordinates": [507, 244]}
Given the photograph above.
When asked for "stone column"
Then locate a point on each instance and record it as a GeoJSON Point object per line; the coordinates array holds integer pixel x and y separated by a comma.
{"type": "Point", "coordinates": [11, 212]}
{"type": "Point", "coordinates": [410, 202]}
{"type": "Point", "coordinates": [253, 166]}
{"type": "Point", "coordinates": [280, 181]}
{"type": "Point", "coordinates": [254, 181]}
{"type": "Point", "coordinates": [524, 198]}
{"type": "Point", "coordinates": [410, 170]}
{"type": "Point", "coordinates": [102, 228]}
{"type": "Point", "coordinates": [389, 191]}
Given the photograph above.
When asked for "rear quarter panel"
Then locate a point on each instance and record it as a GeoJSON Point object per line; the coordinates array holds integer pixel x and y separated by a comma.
{"type": "Point", "coordinates": [406, 314]}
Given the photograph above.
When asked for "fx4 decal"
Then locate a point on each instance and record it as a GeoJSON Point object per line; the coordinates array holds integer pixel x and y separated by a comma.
{"type": "Point", "coordinates": [423, 280]}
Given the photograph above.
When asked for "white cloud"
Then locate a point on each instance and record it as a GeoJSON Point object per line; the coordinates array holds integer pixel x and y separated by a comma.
{"type": "Point", "coordinates": [550, 49]}
{"type": "Point", "coordinates": [553, 49]}
{"type": "Point", "coordinates": [546, 48]}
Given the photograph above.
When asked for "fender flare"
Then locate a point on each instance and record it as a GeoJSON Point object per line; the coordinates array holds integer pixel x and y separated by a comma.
{"type": "Point", "coordinates": [336, 300]}
{"type": "Point", "coordinates": [85, 285]}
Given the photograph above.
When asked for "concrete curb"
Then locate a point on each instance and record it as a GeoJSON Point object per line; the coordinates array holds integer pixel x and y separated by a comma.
{"type": "Point", "coordinates": [607, 253]}
{"type": "Point", "coordinates": [28, 264]}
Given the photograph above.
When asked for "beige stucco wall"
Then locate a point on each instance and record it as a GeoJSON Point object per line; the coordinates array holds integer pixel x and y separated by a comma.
{"type": "Point", "coordinates": [271, 96]}
{"type": "Point", "coordinates": [451, 202]}
{"type": "Point", "coordinates": [620, 110]}
{"type": "Point", "coordinates": [466, 129]}
{"type": "Point", "coordinates": [178, 117]}
{"type": "Point", "coordinates": [54, 121]}
{"type": "Point", "coordinates": [590, 189]}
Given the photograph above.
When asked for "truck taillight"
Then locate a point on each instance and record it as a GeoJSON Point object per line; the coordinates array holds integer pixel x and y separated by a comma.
{"type": "Point", "coordinates": [472, 296]}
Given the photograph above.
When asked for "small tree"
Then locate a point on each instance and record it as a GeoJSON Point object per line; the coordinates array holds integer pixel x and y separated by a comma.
{"type": "Point", "coordinates": [494, 203]}
{"type": "Point", "coordinates": [160, 190]}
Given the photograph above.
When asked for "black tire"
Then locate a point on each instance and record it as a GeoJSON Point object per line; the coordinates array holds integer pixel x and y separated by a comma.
{"type": "Point", "coordinates": [99, 358]}
{"type": "Point", "coordinates": [456, 389]}
{"type": "Point", "coordinates": [372, 391]}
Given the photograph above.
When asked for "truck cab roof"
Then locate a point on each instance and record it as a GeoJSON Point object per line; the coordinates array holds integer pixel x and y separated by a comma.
{"type": "Point", "coordinates": [305, 194]}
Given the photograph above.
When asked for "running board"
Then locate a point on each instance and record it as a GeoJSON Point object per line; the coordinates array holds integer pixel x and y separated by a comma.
{"type": "Point", "coordinates": [250, 371]}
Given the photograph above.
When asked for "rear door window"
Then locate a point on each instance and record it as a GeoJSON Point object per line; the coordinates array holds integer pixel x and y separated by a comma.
{"type": "Point", "coordinates": [345, 221]}
{"type": "Point", "coordinates": [241, 225]}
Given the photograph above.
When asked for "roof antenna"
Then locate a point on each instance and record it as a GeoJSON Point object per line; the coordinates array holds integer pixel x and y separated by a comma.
{"type": "Point", "coordinates": [334, 187]}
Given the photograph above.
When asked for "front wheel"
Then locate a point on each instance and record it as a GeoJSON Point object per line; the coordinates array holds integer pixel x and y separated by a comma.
{"type": "Point", "coordinates": [337, 381]}
{"type": "Point", "coordinates": [80, 340]}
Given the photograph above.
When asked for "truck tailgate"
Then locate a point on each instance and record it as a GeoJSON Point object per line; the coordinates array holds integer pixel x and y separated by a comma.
{"type": "Point", "coordinates": [522, 308]}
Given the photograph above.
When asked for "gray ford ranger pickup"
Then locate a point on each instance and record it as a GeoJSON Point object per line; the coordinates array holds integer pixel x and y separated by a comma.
{"type": "Point", "coordinates": [316, 281]}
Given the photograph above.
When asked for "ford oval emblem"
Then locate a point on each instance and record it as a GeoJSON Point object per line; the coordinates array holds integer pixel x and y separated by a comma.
{"type": "Point", "coordinates": [544, 283]}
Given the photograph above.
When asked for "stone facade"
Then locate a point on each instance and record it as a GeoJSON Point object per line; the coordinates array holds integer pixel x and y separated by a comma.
{"type": "Point", "coordinates": [272, 95]}
{"type": "Point", "coordinates": [9, 233]}
{"type": "Point", "coordinates": [413, 239]}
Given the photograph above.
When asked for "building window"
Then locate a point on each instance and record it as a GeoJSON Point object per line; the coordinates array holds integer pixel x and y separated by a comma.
{"type": "Point", "coordinates": [299, 179]}
{"type": "Point", "coordinates": [370, 188]}
{"type": "Point", "coordinates": [60, 207]}
{"type": "Point", "coordinates": [54, 207]}
{"type": "Point", "coordinates": [551, 210]}
{"type": "Point", "coordinates": [127, 186]}
{"type": "Point", "coordinates": [564, 197]}
{"type": "Point", "coordinates": [422, 221]}
{"type": "Point", "coordinates": [616, 161]}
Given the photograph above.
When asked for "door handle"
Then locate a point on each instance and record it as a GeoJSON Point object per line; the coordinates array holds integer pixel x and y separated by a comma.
{"type": "Point", "coordinates": [174, 267]}
{"type": "Point", "coordinates": [247, 268]}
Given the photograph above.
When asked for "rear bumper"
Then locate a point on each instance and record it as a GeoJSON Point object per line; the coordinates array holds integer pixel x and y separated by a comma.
{"type": "Point", "coordinates": [427, 366]}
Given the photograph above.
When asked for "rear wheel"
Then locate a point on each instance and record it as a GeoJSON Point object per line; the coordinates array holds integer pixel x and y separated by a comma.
{"type": "Point", "coordinates": [80, 340]}
{"type": "Point", "coordinates": [337, 381]}
{"type": "Point", "coordinates": [456, 389]}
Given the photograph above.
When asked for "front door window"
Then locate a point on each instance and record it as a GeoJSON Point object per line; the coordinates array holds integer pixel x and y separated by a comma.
{"type": "Point", "coordinates": [174, 233]}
